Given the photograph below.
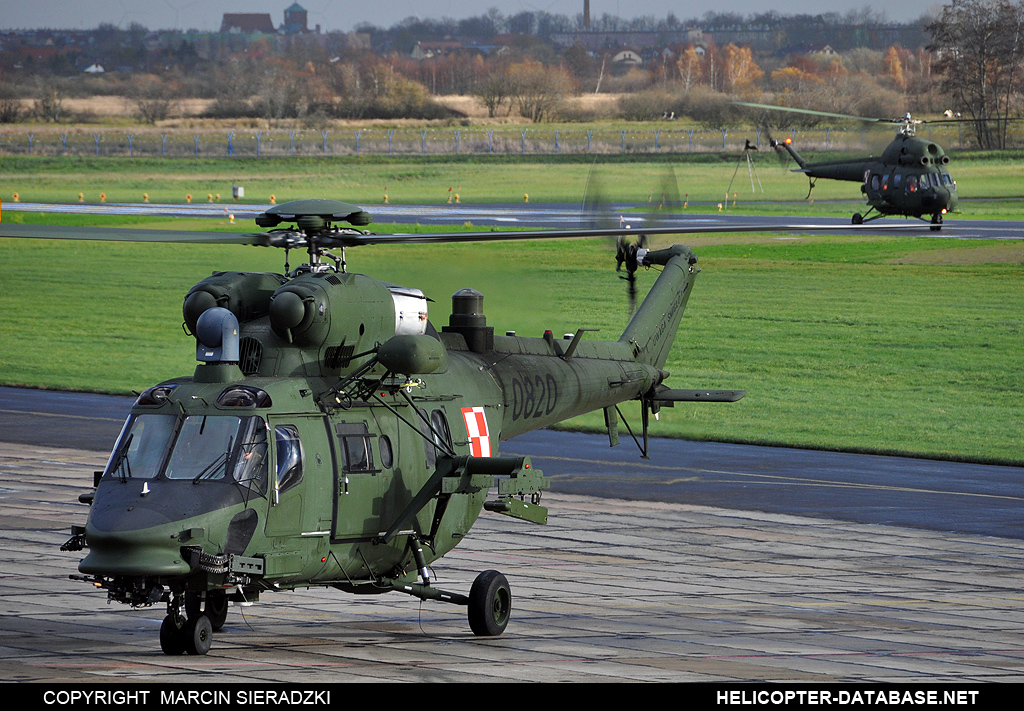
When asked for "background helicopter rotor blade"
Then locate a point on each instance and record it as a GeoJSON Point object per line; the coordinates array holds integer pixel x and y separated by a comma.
{"type": "Point", "coordinates": [811, 112]}
{"type": "Point", "coordinates": [907, 122]}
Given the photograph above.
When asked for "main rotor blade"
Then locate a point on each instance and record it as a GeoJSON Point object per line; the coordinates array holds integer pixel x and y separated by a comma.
{"type": "Point", "coordinates": [350, 239]}
{"type": "Point", "coordinates": [636, 230]}
{"type": "Point", "coordinates": [127, 234]}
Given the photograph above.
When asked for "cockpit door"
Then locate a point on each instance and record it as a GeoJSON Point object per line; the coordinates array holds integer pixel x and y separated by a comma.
{"type": "Point", "coordinates": [299, 477]}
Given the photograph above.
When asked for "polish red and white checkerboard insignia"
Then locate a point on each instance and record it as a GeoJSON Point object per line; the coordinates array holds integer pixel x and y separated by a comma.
{"type": "Point", "coordinates": [476, 428]}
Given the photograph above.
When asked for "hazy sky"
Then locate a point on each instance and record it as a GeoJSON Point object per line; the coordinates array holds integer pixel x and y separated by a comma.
{"type": "Point", "coordinates": [343, 15]}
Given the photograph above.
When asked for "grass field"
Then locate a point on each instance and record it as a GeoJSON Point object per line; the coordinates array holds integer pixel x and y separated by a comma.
{"type": "Point", "coordinates": [989, 187]}
{"type": "Point", "coordinates": [908, 344]}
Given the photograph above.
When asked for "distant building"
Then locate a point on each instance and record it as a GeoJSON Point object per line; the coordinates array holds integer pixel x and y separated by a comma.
{"type": "Point", "coordinates": [37, 54]}
{"type": "Point", "coordinates": [247, 23]}
{"type": "Point", "coordinates": [296, 20]}
{"type": "Point", "coordinates": [428, 50]}
{"type": "Point", "coordinates": [628, 56]}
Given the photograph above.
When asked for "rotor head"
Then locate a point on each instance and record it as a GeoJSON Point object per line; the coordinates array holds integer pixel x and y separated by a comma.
{"type": "Point", "coordinates": [311, 216]}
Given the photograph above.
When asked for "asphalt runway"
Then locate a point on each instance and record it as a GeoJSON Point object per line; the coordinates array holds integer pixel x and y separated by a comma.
{"type": "Point", "coordinates": [558, 215]}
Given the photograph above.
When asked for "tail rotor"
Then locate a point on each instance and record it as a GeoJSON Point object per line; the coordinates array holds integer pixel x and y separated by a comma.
{"type": "Point", "coordinates": [629, 253]}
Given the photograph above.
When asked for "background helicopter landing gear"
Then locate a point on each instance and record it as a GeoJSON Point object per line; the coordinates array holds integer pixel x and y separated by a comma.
{"type": "Point", "coordinates": [859, 219]}
{"type": "Point", "coordinates": [936, 222]}
{"type": "Point", "coordinates": [216, 607]}
{"type": "Point", "coordinates": [490, 604]}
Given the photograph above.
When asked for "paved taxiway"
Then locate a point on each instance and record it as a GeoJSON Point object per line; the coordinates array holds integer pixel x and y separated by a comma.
{"type": "Point", "coordinates": [609, 590]}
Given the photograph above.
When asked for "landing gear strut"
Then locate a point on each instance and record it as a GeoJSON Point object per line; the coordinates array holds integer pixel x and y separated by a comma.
{"type": "Point", "coordinates": [213, 604]}
{"type": "Point", "coordinates": [489, 602]}
{"type": "Point", "coordinates": [936, 222]}
{"type": "Point", "coordinates": [859, 219]}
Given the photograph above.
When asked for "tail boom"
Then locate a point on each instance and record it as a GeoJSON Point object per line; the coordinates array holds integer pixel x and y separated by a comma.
{"type": "Point", "coordinates": [653, 327]}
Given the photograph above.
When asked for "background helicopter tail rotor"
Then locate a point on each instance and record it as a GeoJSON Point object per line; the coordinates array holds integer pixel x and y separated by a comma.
{"type": "Point", "coordinates": [598, 215]}
{"type": "Point", "coordinates": [628, 255]}
{"type": "Point", "coordinates": [776, 145]}
{"type": "Point", "coordinates": [630, 249]}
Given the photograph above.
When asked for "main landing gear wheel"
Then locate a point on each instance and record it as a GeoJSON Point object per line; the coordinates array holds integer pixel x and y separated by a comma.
{"type": "Point", "coordinates": [216, 607]}
{"type": "Point", "coordinates": [490, 604]}
{"type": "Point", "coordinates": [936, 222]}
{"type": "Point", "coordinates": [858, 219]}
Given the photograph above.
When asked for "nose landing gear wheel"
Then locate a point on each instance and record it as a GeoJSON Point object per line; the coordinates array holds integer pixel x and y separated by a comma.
{"type": "Point", "coordinates": [490, 604]}
{"type": "Point", "coordinates": [194, 636]}
{"type": "Point", "coordinates": [198, 634]}
{"type": "Point", "coordinates": [172, 641]}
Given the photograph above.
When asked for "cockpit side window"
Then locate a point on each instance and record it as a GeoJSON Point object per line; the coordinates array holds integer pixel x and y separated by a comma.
{"type": "Point", "coordinates": [250, 460]}
{"type": "Point", "coordinates": [289, 457]}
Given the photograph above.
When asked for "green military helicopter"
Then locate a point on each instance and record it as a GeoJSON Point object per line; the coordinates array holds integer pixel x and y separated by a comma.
{"type": "Point", "coordinates": [909, 179]}
{"type": "Point", "coordinates": [332, 436]}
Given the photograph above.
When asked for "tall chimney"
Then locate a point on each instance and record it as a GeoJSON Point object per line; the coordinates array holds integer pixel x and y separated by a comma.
{"type": "Point", "coordinates": [586, 15]}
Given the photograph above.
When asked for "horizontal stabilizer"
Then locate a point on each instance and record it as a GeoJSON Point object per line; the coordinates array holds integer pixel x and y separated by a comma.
{"type": "Point", "coordinates": [676, 395]}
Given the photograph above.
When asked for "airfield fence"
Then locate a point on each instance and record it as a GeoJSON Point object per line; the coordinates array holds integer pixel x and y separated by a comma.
{"type": "Point", "coordinates": [434, 141]}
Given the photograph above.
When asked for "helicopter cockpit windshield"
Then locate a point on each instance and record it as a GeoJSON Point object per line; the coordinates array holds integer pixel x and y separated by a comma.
{"type": "Point", "coordinates": [192, 447]}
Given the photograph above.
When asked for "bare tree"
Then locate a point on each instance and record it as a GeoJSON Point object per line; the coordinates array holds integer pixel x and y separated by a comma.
{"type": "Point", "coordinates": [539, 91]}
{"type": "Point", "coordinates": [152, 98]}
{"type": "Point", "coordinates": [494, 92]}
{"type": "Point", "coordinates": [979, 46]}
{"type": "Point", "coordinates": [49, 104]}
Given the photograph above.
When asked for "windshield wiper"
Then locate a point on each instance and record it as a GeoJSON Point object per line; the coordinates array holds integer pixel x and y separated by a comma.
{"type": "Point", "coordinates": [121, 465]}
{"type": "Point", "coordinates": [213, 466]}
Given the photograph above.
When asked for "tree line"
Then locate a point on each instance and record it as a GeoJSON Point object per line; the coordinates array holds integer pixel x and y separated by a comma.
{"type": "Point", "coordinates": [971, 68]}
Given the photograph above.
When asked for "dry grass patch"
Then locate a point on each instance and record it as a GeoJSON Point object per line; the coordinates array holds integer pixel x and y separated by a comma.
{"type": "Point", "coordinates": [1010, 253]}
